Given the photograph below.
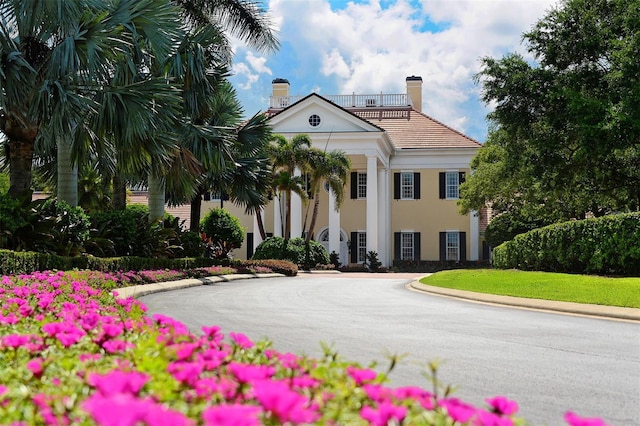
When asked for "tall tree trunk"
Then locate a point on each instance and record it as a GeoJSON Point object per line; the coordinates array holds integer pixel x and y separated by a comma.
{"type": "Point", "coordinates": [67, 174]}
{"type": "Point", "coordinates": [314, 216]}
{"type": "Point", "coordinates": [287, 218]}
{"type": "Point", "coordinates": [263, 234]}
{"type": "Point", "coordinates": [119, 192]}
{"type": "Point", "coordinates": [20, 164]}
{"type": "Point", "coordinates": [156, 197]}
{"type": "Point", "coordinates": [196, 205]}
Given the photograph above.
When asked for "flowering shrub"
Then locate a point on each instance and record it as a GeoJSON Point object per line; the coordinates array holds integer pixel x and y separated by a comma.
{"type": "Point", "coordinates": [73, 354]}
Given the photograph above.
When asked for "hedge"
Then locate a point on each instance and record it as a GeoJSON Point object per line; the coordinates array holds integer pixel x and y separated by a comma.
{"type": "Point", "coordinates": [609, 245]}
{"type": "Point", "coordinates": [18, 262]}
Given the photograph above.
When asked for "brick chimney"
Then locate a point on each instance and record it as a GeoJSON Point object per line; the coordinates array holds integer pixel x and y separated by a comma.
{"type": "Point", "coordinates": [414, 90]}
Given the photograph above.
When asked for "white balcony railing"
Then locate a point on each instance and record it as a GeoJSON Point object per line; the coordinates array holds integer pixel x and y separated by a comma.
{"type": "Point", "coordinates": [386, 101]}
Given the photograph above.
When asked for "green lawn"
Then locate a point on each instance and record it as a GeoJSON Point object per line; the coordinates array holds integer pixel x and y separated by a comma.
{"type": "Point", "coordinates": [542, 285]}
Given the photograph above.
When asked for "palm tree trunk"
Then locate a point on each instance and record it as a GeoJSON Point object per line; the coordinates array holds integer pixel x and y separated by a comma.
{"type": "Point", "coordinates": [119, 192]}
{"type": "Point", "coordinates": [287, 224]}
{"type": "Point", "coordinates": [314, 216]}
{"type": "Point", "coordinates": [263, 234]}
{"type": "Point", "coordinates": [196, 205]}
{"type": "Point", "coordinates": [67, 174]}
{"type": "Point", "coordinates": [20, 164]}
{"type": "Point", "coordinates": [156, 198]}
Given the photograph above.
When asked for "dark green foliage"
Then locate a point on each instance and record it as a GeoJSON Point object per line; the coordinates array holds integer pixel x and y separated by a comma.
{"type": "Point", "coordinates": [334, 259]}
{"type": "Point", "coordinates": [507, 225]}
{"type": "Point", "coordinates": [223, 233]}
{"type": "Point", "coordinates": [606, 245]}
{"type": "Point", "coordinates": [295, 251]}
{"type": "Point", "coordinates": [192, 244]}
{"type": "Point", "coordinates": [119, 227]}
{"type": "Point", "coordinates": [11, 219]}
{"type": "Point", "coordinates": [372, 261]}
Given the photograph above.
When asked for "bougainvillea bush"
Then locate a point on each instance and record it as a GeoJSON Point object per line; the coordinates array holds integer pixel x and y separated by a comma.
{"type": "Point", "coordinates": [73, 354]}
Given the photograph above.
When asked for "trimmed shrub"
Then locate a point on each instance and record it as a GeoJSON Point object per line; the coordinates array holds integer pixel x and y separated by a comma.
{"type": "Point", "coordinates": [295, 251]}
{"type": "Point", "coordinates": [223, 233]}
{"type": "Point", "coordinates": [608, 245]}
{"type": "Point", "coordinates": [278, 266]}
{"type": "Point", "coordinates": [506, 226]}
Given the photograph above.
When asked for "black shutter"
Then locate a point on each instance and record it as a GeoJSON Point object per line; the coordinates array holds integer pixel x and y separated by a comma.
{"type": "Point", "coordinates": [443, 246]}
{"type": "Point", "coordinates": [354, 185]}
{"type": "Point", "coordinates": [249, 245]}
{"type": "Point", "coordinates": [463, 246]}
{"type": "Point", "coordinates": [354, 247]}
{"type": "Point", "coordinates": [416, 246]}
{"type": "Point", "coordinates": [486, 255]}
{"type": "Point", "coordinates": [396, 186]}
{"type": "Point", "coordinates": [225, 196]}
{"type": "Point", "coordinates": [461, 178]}
{"type": "Point", "coordinates": [443, 187]}
{"type": "Point", "coordinates": [396, 245]}
{"type": "Point", "coordinates": [207, 196]}
{"type": "Point", "coordinates": [416, 186]}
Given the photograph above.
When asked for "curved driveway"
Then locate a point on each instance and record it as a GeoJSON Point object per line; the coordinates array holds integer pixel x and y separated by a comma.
{"type": "Point", "coordinates": [549, 363]}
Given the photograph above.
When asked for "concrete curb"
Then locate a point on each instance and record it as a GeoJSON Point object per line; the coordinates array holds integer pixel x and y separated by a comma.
{"type": "Point", "coordinates": [146, 289]}
{"type": "Point", "coordinates": [599, 311]}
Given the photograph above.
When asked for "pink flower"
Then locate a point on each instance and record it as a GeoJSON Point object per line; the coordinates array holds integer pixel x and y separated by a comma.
{"type": "Point", "coordinates": [485, 418]}
{"type": "Point", "coordinates": [385, 413]}
{"type": "Point", "coordinates": [116, 410]}
{"type": "Point", "coordinates": [186, 372]}
{"type": "Point", "coordinates": [285, 404]}
{"type": "Point", "coordinates": [246, 373]}
{"type": "Point", "coordinates": [241, 340]}
{"type": "Point", "coordinates": [574, 420]}
{"type": "Point", "coordinates": [116, 382]}
{"type": "Point", "coordinates": [232, 415]}
{"type": "Point", "coordinates": [503, 406]}
{"type": "Point", "coordinates": [458, 410]}
{"type": "Point", "coordinates": [3, 389]}
{"type": "Point", "coordinates": [361, 375]}
{"type": "Point", "coordinates": [115, 346]}
{"type": "Point", "coordinates": [35, 366]}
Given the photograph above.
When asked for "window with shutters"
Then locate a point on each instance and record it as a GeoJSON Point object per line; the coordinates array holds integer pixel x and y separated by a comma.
{"type": "Point", "coordinates": [406, 246]}
{"type": "Point", "coordinates": [406, 186]}
{"type": "Point", "coordinates": [362, 185]}
{"type": "Point", "coordinates": [453, 246]}
{"type": "Point", "coordinates": [362, 247]}
{"type": "Point", "coordinates": [452, 185]}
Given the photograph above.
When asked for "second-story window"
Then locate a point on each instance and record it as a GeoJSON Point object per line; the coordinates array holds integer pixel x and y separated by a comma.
{"type": "Point", "coordinates": [406, 185]}
{"type": "Point", "coordinates": [450, 184]}
{"type": "Point", "coordinates": [362, 185]}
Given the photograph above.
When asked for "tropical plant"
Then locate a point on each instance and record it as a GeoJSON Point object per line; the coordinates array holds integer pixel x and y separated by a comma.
{"type": "Point", "coordinates": [222, 231]}
{"type": "Point", "coordinates": [289, 157]}
{"type": "Point", "coordinates": [66, 78]}
{"type": "Point", "coordinates": [295, 250]}
{"type": "Point", "coordinates": [331, 168]}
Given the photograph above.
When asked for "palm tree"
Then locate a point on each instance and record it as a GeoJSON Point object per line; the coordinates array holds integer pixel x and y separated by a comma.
{"type": "Point", "coordinates": [333, 168]}
{"type": "Point", "coordinates": [286, 157]}
{"type": "Point", "coordinates": [201, 68]}
{"type": "Point", "coordinates": [59, 57]}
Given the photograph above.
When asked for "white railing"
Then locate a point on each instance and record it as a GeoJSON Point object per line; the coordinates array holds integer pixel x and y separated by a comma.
{"type": "Point", "coordinates": [400, 100]}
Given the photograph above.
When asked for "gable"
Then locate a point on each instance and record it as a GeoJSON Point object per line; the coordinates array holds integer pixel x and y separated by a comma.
{"type": "Point", "coordinates": [332, 118]}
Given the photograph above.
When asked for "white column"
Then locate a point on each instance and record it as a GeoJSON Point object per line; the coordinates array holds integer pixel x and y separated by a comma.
{"type": "Point", "coordinates": [474, 235]}
{"type": "Point", "coordinates": [383, 218]}
{"type": "Point", "coordinates": [277, 218]}
{"type": "Point", "coordinates": [372, 203]}
{"type": "Point", "coordinates": [334, 226]}
{"type": "Point", "coordinates": [296, 212]}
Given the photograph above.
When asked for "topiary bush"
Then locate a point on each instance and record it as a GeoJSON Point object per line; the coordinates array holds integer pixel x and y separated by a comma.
{"type": "Point", "coordinates": [295, 251]}
{"type": "Point", "coordinates": [506, 226]}
{"type": "Point", "coordinates": [223, 233]}
{"type": "Point", "coordinates": [608, 245]}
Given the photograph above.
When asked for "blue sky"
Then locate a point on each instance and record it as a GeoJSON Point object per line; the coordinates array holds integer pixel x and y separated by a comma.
{"type": "Point", "coordinates": [370, 46]}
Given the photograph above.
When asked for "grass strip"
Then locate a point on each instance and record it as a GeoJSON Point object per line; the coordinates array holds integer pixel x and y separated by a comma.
{"type": "Point", "coordinates": [591, 289]}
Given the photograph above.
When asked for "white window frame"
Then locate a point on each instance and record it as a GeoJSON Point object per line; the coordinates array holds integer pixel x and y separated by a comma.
{"type": "Point", "coordinates": [453, 245]}
{"type": "Point", "coordinates": [452, 185]}
{"type": "Point", "coordinates": [407, 245]}
{"type": "Point", "coordinates": [362, 185]}
{"type": "Point", "coordinates": [361, 246]}
{"type": "Point", "coordinates": [407, 187]}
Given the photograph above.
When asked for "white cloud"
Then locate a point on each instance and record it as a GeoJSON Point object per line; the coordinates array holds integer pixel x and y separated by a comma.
{"type": "Point", "coordinates": [369, 47]}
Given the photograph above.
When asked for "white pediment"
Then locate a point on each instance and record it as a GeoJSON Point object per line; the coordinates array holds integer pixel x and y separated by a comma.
{"type": "Point", "coordinates": [297, 118]}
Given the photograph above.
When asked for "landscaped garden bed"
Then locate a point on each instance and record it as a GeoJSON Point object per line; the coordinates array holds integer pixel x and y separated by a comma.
{"type": "Point", "coordinates": [71, 353]}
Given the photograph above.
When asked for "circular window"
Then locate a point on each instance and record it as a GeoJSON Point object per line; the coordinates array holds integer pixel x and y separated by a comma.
{"type": "Point", "coordinates": [314, 120]}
